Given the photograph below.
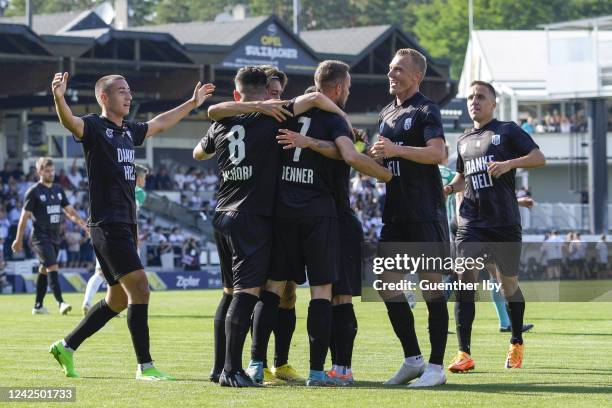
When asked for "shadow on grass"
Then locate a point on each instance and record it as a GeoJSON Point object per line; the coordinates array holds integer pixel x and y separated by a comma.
{"type": "Point", "coordinates": [578, 334]}
{"type": "Point", "coordinates": [168, 316]}
{"type": "Point", "coordinates": [496, 388]}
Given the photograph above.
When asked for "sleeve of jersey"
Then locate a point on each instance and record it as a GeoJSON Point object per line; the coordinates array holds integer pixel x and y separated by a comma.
{"type": "Point", "coordinates": [459, 163]}
{"type": "Point", "coordinates": [432, 126]}
{"type": "Point", "coordinates": [88, 130]}
{"type": "Point", "coordinates": [521, 140]}
{"type": "Point", "coordinates": [64, 202]}
{"type": "Point", "coordinates": [139, 132]}
{"type": "Point", "coordinates": [208, 141]}
{"type": "Point", "coordinates": [339, 127]}
{"type": "Point", "coordinates": [29, 202]}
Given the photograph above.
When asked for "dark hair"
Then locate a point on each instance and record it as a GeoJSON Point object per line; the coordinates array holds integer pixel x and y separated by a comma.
{"type": "Point", "coordinates": [274, 73]}
{"type": "Point", "coordinates": [251, 80]}
{"type": "Point", "coordinates": [486, 85]}
{"type": "Point", "coordinates": [330, 73]}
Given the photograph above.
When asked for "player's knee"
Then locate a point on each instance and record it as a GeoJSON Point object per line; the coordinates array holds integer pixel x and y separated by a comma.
{"type": "Point", "coordinates": [321, 292]}
{"type": "Point", "coordinates": [341, 299]}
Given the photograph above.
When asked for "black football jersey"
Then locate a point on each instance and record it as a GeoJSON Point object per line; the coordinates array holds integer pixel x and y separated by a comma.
{"type": "Point", "coordinates": [45, 204]}
{"type": "Point", "coordinates": [489, 201]}
{"type": "Point", "coordinates": [415, 193]}
{"type": "Point", "coordinates": [248, 158]}
{"type": "Point", "coordinates": [109, 160]}
{"type": "Point", "coordinates": [307, 179]}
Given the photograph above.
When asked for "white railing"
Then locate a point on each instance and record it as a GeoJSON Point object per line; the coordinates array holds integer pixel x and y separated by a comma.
{"type": "Point", "coordinates": [558, 216]}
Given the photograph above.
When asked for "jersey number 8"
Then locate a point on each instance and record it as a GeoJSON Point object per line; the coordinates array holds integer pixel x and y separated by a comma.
{"type": "Point", "coordinates": [236, 144]}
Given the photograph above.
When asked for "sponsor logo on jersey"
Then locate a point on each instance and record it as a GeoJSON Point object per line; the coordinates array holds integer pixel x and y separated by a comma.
{"type": "Point", "coordinates": [463, 148]}
{"type": "Point", "coordinates": [109, 133]}
{"type": "Point", "coordinates": [42, 197]}
{"type": "Point", "coordinates": [407, 123]}
{"type": "Point", "coordinates": [496, 139]}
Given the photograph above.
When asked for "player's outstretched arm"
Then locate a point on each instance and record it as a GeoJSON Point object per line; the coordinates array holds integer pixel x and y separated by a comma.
{"type": "Point", "coordinates": [360, 162]}
{"type": "Point", "coordinates": [166, 120]}
{"type": "Point", "coordinates": [272, 107]}
{"type": "Point", "coordinates": [72, 123]}
{"type": "Point", "coordinates": [317, 100]}
{"type": "Point", "coordinates": [17, 245]}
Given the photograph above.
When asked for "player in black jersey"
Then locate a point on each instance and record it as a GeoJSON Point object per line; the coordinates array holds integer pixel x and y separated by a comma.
{"type": "Point", "coordinates": [108, 145]}
{"type": "Point", "coordinates": [44, 203]}
{"type": "Point", "coordinates": [247, 157]}
{"type": "Point", "coordinates": [333, 80]}
{"type": "Point", "coordinates": [489, 219]}
{"type": "Point", "coordinates": [411, 143]}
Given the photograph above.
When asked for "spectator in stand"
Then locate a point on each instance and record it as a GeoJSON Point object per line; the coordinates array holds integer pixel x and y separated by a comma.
{"type": "Point", "coordinates": [527, 126]}
{"type": "Point", "coordinates": [32, 176]}
{"type": "Point", "coordinates": [73, 241]}
{"type": "Point", "coordinates": [566, 126]}
{"type": "Point", "coordinates": [184, 201]}
{"type": "Point", "coordinates": [211, 180]}
{"type": "Point", "coordinates": [18, 172]}
{"type": "Point", "coordinates": [75, 177]}
{"type": "Point", "coordinates": [63, 180]}
{"type": "Point", "coordinates": [162, 180]}
{"type": "Point", "coordinates": [176, 237]}
{"type": "Point", "coordinates": [601, 249]}
{"type": "Point", "coordinates": [86, 253]}
{"type": "Point", "coordinates": [62, 254]}
{"type": "Point", "coordinates": [190, 178]}
{"type": "Point", "coordinates": [5, 226]}
{"type": "Point", "coordinates": [577, 257]}
{"type": "Point", "coordinates": [179, 177]}
{"type": "Point", "coordinates": [191, 255]}
{"type": "Point", "coordinates": [6, 172]}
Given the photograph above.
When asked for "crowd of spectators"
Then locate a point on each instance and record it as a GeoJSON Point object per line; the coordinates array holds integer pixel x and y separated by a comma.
{"type": "Point", "coordinates": [554, 122]}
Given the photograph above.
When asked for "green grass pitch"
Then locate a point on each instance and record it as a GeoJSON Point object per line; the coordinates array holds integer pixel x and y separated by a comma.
{"type": "Point", "coordinates": [568, 358]}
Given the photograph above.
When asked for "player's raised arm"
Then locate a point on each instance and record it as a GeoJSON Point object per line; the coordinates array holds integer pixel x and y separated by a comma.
{"type": "Point", "coordinates": [290, 140]}
{"type": "Point", "coordinates": [166, 120]}
{"type": "Point", "coordinates": [72, 123]}
{"type": "Point", "coordinates": [360, 162]}
{"type": "Point", "coordinates": [317, 100]}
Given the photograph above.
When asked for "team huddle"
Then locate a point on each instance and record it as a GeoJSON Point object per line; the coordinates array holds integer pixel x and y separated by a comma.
{"type": "Point", "coordinates": [284, 218]}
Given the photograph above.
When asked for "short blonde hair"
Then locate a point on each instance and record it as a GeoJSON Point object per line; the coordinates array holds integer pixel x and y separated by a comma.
{"type": "Point", "coordinates": [103, 85]}
{"type": "Point", "coordinates": [417, 59]}
{"type": "Point", "coordinates": [42, 163]}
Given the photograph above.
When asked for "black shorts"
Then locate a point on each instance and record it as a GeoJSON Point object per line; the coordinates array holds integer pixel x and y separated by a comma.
{"type": "Point", "coordinates": [501, 245]}
{"type": "Point", "coordinates": [116, 250]}
{"type": "Point", "coordinates": [305, 246]}
{"type": "Point", "coordinates": [415, 232]}
{"type": "Point", "coordinates": [350, 237]}
{"type": "Point", "coordinates": [428, 239]}
{"type": "Point", "coordinates": [244, 242]}
{"type": "Point", "coordinates": [46, 251]}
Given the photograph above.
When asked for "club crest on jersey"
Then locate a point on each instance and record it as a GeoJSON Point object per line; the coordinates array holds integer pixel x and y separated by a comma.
{"type": "Point", "coordinates": [109, 133]}
{"type": "Point", "coordinates": [407, 123]}
{"type": "Point", "coordinates": [42, 197]}
{"type": "Point", "coordinates": [496, 139]}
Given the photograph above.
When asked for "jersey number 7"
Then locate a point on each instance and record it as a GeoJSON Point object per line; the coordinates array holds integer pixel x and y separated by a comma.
{"type": "Point", "coordinates": [305, 121]}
